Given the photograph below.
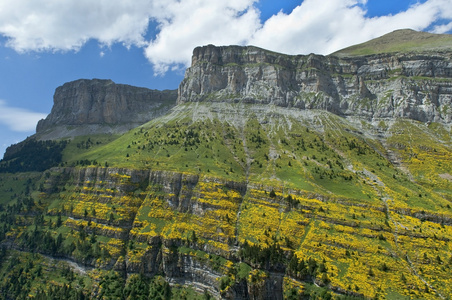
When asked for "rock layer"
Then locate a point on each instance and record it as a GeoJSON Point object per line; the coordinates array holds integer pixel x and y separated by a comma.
{"type": "Point", "coordinates": [102, 185]}
{"type": "Point", "coordinates": [102, 102]}
{"type": "Point", "coordinates": [408, 85]}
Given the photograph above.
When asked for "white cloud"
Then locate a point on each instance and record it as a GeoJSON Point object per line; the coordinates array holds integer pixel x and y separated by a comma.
{"type": "Point", "coordinates": [67, 25]}
{"type": "Point", "coordinates": [190, 23]}
{"type": "Point", "coordinates": [18, 119]}
{"type": "Point", "coordinates": [443, 28]}
{"type": "Point", "coordinates": [53, 25]}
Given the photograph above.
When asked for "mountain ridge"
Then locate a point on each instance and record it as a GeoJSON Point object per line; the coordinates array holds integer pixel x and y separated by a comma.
{"type": "Point", "coordinates": [409, 84]}
{"type": "Point", "coordinates": [101, 106]}
{"type": "Point", "coordinates": [387, 85]}
{"type": "Point", "coordinates": [402, 40]}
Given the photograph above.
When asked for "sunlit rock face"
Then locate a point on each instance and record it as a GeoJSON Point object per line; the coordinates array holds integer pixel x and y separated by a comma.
{"type": "Point", "coordinates": [103, 102]}
{"type": "Point", "coordinates": [408, 85]}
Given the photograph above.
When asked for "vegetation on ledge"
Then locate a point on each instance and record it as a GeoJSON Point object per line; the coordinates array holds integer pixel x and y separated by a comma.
{"type": "Point", "coordinates": [303, 206]}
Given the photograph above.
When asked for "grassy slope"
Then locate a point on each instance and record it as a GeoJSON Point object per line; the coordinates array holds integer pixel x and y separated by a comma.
{"type": "Point", "coordinates": [347, 170]}
{"type": "Point", "coordinates": [405, 40]}
{"type": "Point", "coordinates": [368, 220]}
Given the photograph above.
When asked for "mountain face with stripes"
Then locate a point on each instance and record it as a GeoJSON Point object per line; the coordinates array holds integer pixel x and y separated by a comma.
{"type": "Point", "coordinates": [405, 84]}
{"type": "Point", "coordinates": [101, 106]}
{"type": "Point", "coordinates": [269, 177]}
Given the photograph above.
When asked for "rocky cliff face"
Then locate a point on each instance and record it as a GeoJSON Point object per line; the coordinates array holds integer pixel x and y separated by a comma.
{"type": "Point", "coordinates": [409, 85]}
{"type": "Point", "coordinates": [102, 102]}
{"type": "Point", "coordinates": [182, 193]}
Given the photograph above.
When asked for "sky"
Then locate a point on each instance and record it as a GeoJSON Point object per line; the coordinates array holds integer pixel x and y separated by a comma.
{"type": "Point", "coordinates": [149, 43]}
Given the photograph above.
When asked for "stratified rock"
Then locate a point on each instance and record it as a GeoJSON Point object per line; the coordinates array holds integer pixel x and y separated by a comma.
{"type": "Point", "coordinates": [102, 103]}
{"type": "Point", "coordinates": [409, 85]}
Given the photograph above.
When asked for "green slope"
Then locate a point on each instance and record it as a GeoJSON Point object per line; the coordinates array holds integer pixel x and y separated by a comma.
{"type": "Point", "coordinates": [401, 41]}
{"type": "Point", "coordinates": [246, 191]}
{"type": "Point", "coordinates": [308, 156]}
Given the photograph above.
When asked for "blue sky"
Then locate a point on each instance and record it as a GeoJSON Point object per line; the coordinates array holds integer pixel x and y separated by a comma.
{"type": "Point", "coordinates": [148, 43]}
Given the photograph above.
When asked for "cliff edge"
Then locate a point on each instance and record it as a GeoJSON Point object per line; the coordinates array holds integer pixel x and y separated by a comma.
{"type": "Point", "coordinates": [407, 84]}
{"type": "Point", "coordinates": [101, 105]}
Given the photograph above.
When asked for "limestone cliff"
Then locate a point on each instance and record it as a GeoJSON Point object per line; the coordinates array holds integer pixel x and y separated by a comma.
{"type": "Point", "coordinates": [409, 85]}
{"type": "Point", "coordinates": [181, 193]}
{"type": "Point", "coordinates": [103, 103]}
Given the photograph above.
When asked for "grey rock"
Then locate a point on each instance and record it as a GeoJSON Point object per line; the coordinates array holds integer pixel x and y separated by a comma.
{"type": "Point", "coordinates": [100, 105]}
{"type": "Point", "coordinates": [409, 85]}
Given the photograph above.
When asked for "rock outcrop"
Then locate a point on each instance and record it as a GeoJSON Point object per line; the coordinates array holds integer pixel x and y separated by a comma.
{"type": "Point", "coordinates": [102, 103]}
{"type": "Point", "coordinates": [409, 85]}
{"type": "Point", "coordinates": [163, 254]}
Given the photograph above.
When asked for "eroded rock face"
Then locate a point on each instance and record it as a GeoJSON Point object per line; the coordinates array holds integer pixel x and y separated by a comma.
{"type": "Point", "coordinates": [183, 194]}
{"type": "Point", "coordinates": [415, 86]}
{"type": "Point", "coordinates": [103, 102]}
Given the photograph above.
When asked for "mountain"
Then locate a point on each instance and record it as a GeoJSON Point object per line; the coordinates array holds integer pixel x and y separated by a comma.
{"type": "Point", "coordinates": [98, 106]}
{"type": "Point", "coordinates": [274, 177]}
{"type": "Point", "coordinates": [401, 41]}
{"type": "Point", "coordinates": [408, 85]}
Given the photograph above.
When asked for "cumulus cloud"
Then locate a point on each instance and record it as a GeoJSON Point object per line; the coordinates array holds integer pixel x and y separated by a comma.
{"type": "Point", "coordinates": [67, 25]}
{"type": "Point", "coordinates": [443, 28]}
{"type": "Point", "coordinates": [190, 23]}
{"type": "Point", "coordinates": [18, 119]}
{"type": "Point", "coordinates": [52, 25]}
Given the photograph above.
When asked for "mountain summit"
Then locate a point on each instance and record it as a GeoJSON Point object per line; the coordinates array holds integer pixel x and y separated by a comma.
{"type": "Point", "coordinates": [410, 85]}
{"type": "Point", "coordinates": [401, 41]}
{"type": "Point", "coordinates": [99, 106]}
